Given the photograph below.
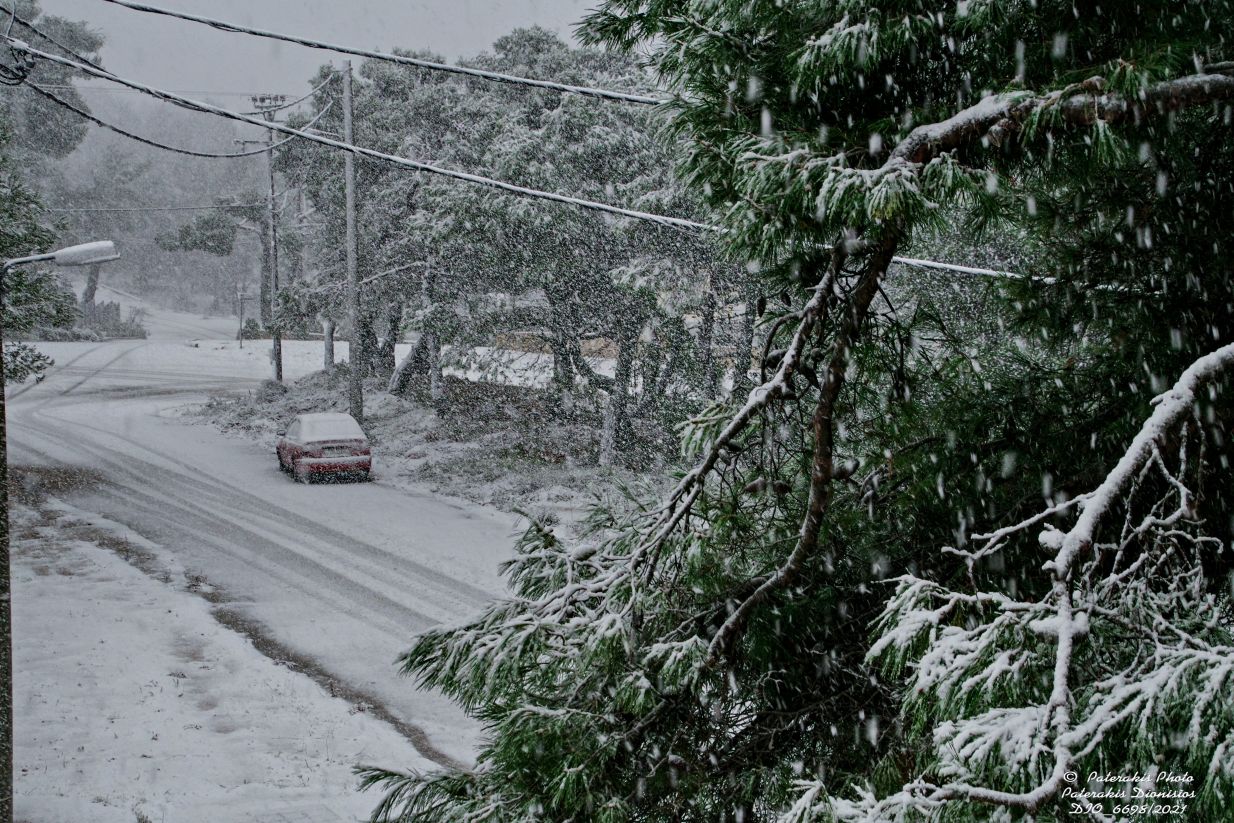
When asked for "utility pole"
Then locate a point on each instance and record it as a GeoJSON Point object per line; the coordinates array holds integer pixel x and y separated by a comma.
{"type": "Point", "coordinates": [268, 104]}
{"type": "Point", "coordinates": [355, 384]}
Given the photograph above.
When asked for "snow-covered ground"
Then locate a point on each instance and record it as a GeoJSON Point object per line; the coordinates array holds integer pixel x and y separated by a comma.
{"type": "Point", "coordinates": [130, 698]}
{"type": "Point", "coordinates": [343, 574]}
{"type": "Point", "coordinates": [489, 448]}
{"type": "Point", "coordinates": [335, 578]}
{"type": "Point", "coordinates": [134, 691]}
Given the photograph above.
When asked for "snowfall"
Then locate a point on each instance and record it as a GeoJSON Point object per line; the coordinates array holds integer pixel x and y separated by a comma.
{"type": "Point", "coordinates": [196, 636]}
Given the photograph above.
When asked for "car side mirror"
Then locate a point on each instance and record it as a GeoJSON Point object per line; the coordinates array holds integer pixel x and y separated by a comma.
{"type": "Point", "coordinates": [282, 432]}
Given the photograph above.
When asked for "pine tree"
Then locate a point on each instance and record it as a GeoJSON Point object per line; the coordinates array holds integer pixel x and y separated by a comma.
{"type": "Point", "coordinates": [32, 295]}
{"type": "Point", "coordinates": [708, 656]}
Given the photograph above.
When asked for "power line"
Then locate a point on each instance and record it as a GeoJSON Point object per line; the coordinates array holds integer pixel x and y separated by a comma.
{"type": "Point", "coordinates": [161, 208]}
{"type": "Point", "coordinates": [14, 17]}
{"type": "Point", "coordinates": [415, 165]}
{"type": "Point", "coordinates": [418, 166]}
{"type": "Point", "coordinates": [210, 92]}
{"type": "Point", "coordinates": [78, 55]}
{"type": "Point", "coordinates": [397, 58]}
{"type": "Point", "coordinates": [664, 220]}
{"type": "Point", "coordinates": [190, 152]}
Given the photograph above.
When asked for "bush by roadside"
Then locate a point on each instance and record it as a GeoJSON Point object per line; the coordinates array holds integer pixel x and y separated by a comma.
{"type": "Point", "coordinates": [497, 445]}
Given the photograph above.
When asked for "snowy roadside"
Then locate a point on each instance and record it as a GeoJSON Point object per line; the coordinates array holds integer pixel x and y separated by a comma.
{"type": "Point", "coordinates": [132, 702]}
{"type": "Point", "coordinates": [495, 447]}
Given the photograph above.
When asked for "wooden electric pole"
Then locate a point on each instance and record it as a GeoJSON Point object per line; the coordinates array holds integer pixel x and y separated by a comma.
{"type": "Point", "coordinates": [268, 104]}
{"type": "Point", "coordinates": [355, 382]}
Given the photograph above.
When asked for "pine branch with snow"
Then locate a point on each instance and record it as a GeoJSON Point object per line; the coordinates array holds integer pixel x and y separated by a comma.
{"type": "Point", "coordinates": [1123, 664]}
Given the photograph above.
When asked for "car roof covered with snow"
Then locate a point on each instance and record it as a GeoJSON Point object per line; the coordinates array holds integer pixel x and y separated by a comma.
{"type": "Point", "coordinates": [329, 426]}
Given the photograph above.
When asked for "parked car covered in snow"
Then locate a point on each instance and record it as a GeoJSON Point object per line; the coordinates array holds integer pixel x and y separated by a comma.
{"type": "Point", "coordinates": [324, 444]}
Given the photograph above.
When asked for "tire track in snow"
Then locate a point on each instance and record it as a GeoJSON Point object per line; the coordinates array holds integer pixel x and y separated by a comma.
{"type": "Point", "coordinates": [54, 370]}
{"type": "Point", "coordinates": [135, 501]}
{"type": "Point", "coordinates": [195, 479]}
{"type": "Point", "coordinates": [159, 486]}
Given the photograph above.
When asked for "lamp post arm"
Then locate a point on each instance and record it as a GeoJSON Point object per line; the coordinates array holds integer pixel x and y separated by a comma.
{"type": "Point", "coordinates": [33, 258]}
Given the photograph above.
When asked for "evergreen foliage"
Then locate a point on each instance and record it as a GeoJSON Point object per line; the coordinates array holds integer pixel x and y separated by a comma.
{"type": "Point", "coordinates": [708, 657]}
{"type": "Point", "coordinates": [469, 268]}
{"type": "Point", "coordinates": [32, 295]}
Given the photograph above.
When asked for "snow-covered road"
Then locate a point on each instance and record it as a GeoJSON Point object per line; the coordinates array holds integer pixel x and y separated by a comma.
{"type": "Point", "coordinates": [342, 574]}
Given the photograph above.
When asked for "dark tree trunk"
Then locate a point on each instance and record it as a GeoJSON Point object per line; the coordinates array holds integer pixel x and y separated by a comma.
{"type": "Point", "coordinates": [383, 361]}
{"type": "Point", "coordinates": [367, 348]}
{"type": "Point", "coordinates": [92, 287]}
{"type": "Point", "coordinates": [564, 372]}
{"type": "Point", "coordinates": [744, 357]}
{"type": "Point", "coordinates": [436, 385]}
{"type": "Point", "coordinates": [415, 365]}
{"type": "Point", "coordinates": [327, 343]}
{"type": "Point", "coordinates": [6, 625]}
{"type": "Point", "coordinates": [706, 342]}
{"type": "Point", "coordinates": [613, 436]}
{"type": "Point", "coordinates": [421, 364]}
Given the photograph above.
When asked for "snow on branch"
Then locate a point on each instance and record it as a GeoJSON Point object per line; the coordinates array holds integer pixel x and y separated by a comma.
{"type": "Point", "coordinates": [922, 170]}
{"type": "Point", "coordinates": [1086, 104]}
{"type": "Point", "coordinates": [1122, 650]}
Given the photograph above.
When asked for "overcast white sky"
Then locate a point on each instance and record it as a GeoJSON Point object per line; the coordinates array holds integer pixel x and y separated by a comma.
{"type": "Point", "coordinates": [180, 55]}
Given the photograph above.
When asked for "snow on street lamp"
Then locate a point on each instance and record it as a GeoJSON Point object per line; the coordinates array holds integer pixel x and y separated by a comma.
{"type": "Point", "coordinates": [85, 254]}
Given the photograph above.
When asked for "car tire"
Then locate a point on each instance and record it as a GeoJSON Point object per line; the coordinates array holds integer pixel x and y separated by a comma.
{"type": "Point", "coordinates": [300, 475]}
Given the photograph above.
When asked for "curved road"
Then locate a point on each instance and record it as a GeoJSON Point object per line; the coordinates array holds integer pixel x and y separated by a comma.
{"type": "Point", "coordinates": [341, 575]}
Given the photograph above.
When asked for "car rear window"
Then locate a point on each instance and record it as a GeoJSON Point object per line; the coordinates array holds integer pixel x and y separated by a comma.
{"type": "Point", "coordinates": [330, 428]}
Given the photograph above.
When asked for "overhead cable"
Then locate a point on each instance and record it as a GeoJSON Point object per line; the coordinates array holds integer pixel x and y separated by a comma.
{"type": "Point", "coordinates": [190, 152]}
{"type": "Point", "coordinates": [162, 208]}
{"type": "Point", "coordinates": [221, 25]}
{"type": "Point", "coordinates": [66, 49]}
{"type": "Point", "coordinates": [418, 166]}
{"type": "Point", "coordinates": [415, 165]}
{"type": "Point", "coordinates": [110, 90]}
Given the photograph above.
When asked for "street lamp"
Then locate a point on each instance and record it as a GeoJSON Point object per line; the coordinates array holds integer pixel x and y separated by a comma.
{"type": "Point", "coordinates": [85, 254]}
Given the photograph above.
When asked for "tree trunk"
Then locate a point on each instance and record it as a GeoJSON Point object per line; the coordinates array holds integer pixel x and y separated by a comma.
{"type": "Point", "coordinates": [92, 287]}
{"type": "Point", "coordinates": [612, 437]}
{"type": "Point", "coordinates": [743, 359]}
{"type": "Point", "coordinates": [706, 342]}
{"type": "Point", "coordinates": [366, 351]}
{"type": "Point", "coordinates": [415, 364]}
{"type": "Point", "coordinates": [383, 360]}
{"type": "Point", "coordinates": [327, 341]}
{"type": "Point", "coordinates": [564, 373]}
{"type": "Point", "coordinates": [436, 386]}
{"type": "Point", "coordinates": [6, 626]}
